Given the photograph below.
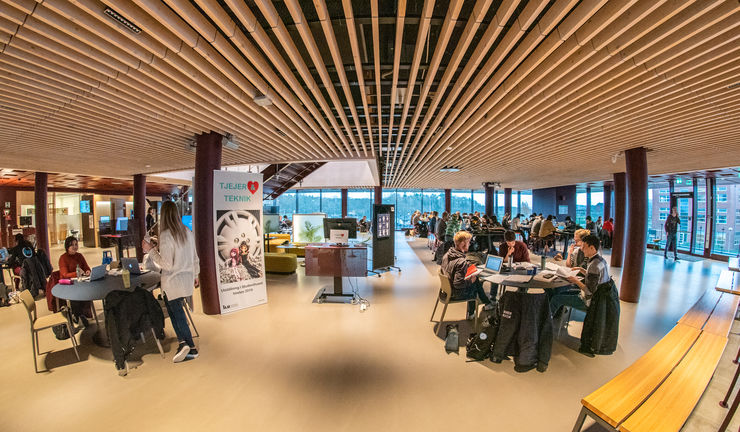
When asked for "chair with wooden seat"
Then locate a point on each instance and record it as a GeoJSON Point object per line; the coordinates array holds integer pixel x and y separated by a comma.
{"type": "Point", "coordinates": [445, 289]}
{"type": "Point", "coordinates": [44, 322]}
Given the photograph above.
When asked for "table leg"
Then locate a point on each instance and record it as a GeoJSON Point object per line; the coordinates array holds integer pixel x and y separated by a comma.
{"type": "Point", "coordinates": [338, 286]}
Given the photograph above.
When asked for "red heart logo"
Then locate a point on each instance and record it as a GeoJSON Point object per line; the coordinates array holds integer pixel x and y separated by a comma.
{"type": "Point", "coordinates": [253, 186]}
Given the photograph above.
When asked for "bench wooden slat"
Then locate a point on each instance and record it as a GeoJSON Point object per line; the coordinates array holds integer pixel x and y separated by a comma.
{"type": "Point", "coordinates": [699, 313]}
{"type": "Point", "coordinates": [724, 313]}
{"type": "Point", "coordinates": [734, 264]}
{"type": "Point", "coordinates": [729, 282]}
{"type": "Point", "coordinates": [672, 403]}
{"type": "Point", "coordinates": [615, 400]}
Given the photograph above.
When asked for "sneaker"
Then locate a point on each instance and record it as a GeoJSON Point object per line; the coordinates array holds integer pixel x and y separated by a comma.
{"type": "Point", "coordinates": [488, 307]}
{"type": "Point", "coordinates": [193, 354]}
{"type": "Point", "coordinates": [182, 353]}
{"type": "Point", "coordinates": [84, 321]}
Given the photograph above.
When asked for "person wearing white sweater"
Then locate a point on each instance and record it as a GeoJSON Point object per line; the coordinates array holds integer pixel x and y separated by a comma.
{"type": "Point", "coordinates": [178, 260]}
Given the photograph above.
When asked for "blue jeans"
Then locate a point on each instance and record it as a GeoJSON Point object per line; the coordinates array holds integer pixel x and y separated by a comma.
{"type": "Point", "coordinates": [473, 290]}
{"type": "Point", "coordinates": [179, 320]}
{"type": "Point", "coordinates": [670, 244]}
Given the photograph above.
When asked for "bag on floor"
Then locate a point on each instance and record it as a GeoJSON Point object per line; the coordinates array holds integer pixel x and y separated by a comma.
{"type": "Point", "coordinates": [60, 331]}
{"type": "Point", "coordinates": [479, 345]}
{"type": "Point", "coordinates": [452, 340]}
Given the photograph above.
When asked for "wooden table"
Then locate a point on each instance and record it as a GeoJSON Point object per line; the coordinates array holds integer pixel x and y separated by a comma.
{"type": "Point", "coordinates": [338, 262]}
{"type": "Point", "coordinates": [729, 282]}
{"type": "Point", "coordinates": [734, 264]}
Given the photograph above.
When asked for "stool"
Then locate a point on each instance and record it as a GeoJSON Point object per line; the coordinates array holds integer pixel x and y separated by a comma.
{"type": "Point", "coordinates": [284, 263]}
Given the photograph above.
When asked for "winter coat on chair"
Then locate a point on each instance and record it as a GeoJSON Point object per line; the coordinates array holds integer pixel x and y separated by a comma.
{"type": "Point", "coordinates": [601, 325]}
{"type": "Point", "coordinates": [525, 331]}
{"type": "Point", "coordinates": [127, 314]}
{"type": "Point", "coordinates": [34, 272]}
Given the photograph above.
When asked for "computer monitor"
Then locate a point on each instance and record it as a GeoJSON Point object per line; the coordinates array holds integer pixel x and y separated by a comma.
{"type": "Point", "coordinates": [121, 224]}
{"type": "Point", "coordinates": [349, 224]}
{"type": "Point", "coordinates": [493, 263]}
{"type": "Point", "coordinates": [26, 220]}
{"type": "Point", "coordinates": [187, 220]}
{"type": "Point", "coordinates": [104, 219]}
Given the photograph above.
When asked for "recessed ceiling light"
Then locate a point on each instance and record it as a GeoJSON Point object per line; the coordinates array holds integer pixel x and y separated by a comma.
{"type": "Point", "coordinates": [121, 20]}
{"type": "Point", "coordinates": [449, 169]}
{"type": "Point", "coordinates": [147, 166]}
{"type": "Point", "coordinates": [448, 148]}
{"type": "Point", "coordinates": [262, 100]}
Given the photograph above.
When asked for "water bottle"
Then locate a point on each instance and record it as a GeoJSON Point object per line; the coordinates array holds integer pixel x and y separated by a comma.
{"type": "Point", "coordinates": [543, 262]}
{"type": "Point", "coordinates": [79, 272]}
{"type": "Point", "coordinates": [511, 262]}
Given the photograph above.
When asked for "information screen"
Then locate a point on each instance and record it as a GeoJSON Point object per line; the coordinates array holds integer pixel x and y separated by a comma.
{"type": "Point", "coordinates": [84, 206]}
{"type": "Point", "coordinates": [384, 225]}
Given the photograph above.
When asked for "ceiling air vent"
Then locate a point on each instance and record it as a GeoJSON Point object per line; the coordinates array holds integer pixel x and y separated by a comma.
{"type": "Point", "coordinates": [121, 20]}
{"type": "Point", "coordinates": [280, 132]}
{"type": "Point", "coordinates": [733, 86]}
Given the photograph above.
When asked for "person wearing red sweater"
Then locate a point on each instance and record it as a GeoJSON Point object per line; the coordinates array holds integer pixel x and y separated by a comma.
{"type": "Point", "coordinates": [68, 263]}
{"type": "Point", "coordinates": [69, 260]}
{"type": "Point", "coordinates": [512, 247]}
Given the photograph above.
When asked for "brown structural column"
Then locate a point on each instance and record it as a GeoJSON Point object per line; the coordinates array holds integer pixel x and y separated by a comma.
{"type": "Point", "coordinates": [344, 202]}
{"type": "Point", "coordinates": [507, 201]}
{"type": "Point", "coordinates": [40, 197]}
{"type": "Point", "coordinates": [140, 211]}
{"type": "Point", "coordinates": [488, 194]}
{"type": "Point", "coordinates": [607, 201]}
{"type": "Point", "coordinates": [378, 194]}
{"type": "Point", "coordinates": [620, 201]}
{"type": "Point", "coordinates": [207, 159]}
{"type": "Point", "coordinates": [636, 232]}
{"type": "Point", "coordinates": [448, 200]}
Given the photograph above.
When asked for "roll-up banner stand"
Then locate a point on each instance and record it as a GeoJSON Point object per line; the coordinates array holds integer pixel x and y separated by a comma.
{"type": "Point", "coordinates": [238, 237]}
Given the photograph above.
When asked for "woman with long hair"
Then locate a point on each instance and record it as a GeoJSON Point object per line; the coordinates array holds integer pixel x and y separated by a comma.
{"type": "Point", "coordinates": [177, 258]}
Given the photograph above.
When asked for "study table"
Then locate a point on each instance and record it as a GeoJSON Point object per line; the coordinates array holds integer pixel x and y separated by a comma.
{"type": "Point", "coordinates": [118, 238]}
{"type": "Point", "coordinates": [337, 261]}
{"type": "Point", "coordinates": [99, 289]}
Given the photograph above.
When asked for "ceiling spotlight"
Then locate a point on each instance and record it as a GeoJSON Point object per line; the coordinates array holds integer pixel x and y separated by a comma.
{"type": "Point", "coordinates": [616, 156]}
{"type": "Point", "coordinates": [449, 169]}
{"type": "Point", "coordinates": [121, 20]}
{"type": "Point", "coordinates": [190, 145]}
{"type": "Point", "coordinates": [147, 166]}
{"type": "Point", "coordinates": [449, 148]}
{"type": "Point", "coordinates": [228, 142]}
{"type": "Point", "coordinates": [262, 100]}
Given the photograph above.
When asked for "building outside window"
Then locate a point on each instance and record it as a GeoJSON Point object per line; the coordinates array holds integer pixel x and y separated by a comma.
{"type": "Point", "coordinates": [657, 212]}
{"type": "Point", "coordinates": [701, 215]}
{"type": "Point", "coordinates": [725, 229]}
{"type": "Point", "coordinates": [526, 200]}
{"type": "Point", "coordinates": [722, 197]}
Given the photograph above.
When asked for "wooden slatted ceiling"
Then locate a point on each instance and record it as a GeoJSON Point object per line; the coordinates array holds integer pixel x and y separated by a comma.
{"type": "Point", "coordinates": [526, 93]}
{"type": "Point", "coordinates": [74, 182]}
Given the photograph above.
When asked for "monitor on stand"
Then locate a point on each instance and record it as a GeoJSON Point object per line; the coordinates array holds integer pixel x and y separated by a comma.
{"type": "Point", "coordinates": [348, 224]}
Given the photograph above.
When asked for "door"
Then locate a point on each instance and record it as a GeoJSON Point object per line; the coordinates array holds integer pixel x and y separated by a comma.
{"type": "Point", "coordinates": [684, 201]}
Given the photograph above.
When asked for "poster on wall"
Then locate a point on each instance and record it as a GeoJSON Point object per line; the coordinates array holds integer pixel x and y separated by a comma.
{"type": "Point", "coordinates": [240, 261]}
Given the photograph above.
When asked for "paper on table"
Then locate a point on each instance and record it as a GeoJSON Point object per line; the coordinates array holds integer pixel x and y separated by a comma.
{"type": "Point", "coordinates": [496, 278]}
{"type": "Point", "coordinates": [519, 278]}
{"type": "Point", "coordinates": [565, 272]}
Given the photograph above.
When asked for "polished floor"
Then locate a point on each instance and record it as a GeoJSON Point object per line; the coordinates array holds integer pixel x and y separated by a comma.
{"type": "Point", "coordinates": [292, 365]}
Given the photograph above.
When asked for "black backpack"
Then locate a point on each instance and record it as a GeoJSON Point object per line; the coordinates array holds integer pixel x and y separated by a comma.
{"type": "Point", "coordinates": [480, 345]}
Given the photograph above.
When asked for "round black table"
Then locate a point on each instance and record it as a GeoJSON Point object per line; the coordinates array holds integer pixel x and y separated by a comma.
{"type": "Point", "coordinates": [99, 289]}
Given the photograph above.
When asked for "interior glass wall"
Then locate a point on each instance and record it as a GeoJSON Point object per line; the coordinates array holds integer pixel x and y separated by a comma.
{"type": "Point", "coordinates": [726, 218]}
{"type": "Point", "coordinates": [331, 202]}
{"type": "Point", "coordinates": [360, 203]}
{"type": "Point", "coordinates": [462, 201]}
{"type": "Point", "coordinates": [434, 200]}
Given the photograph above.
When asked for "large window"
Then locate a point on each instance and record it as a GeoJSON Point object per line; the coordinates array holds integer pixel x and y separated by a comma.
{"type": "Point", "coordinates": [462, 201]}
{"type": "Point", "coordinates": [581, 202]}
{"type": "Point", "coordinates": [360, 203]}
{"type": "Point", "coordinates": [526, 199]}
{"type": "Point", "coordinates": [287, 203]}
{"type": "Point", "coordinates": [309, 201]}
{"type": "Point", "coordinates": [700, 201]}
{"type": "Point", "coordinates": [597, 203]}
{"type": "Point", "coordinates": [434, 200]}
{"type": "Point", "coordinates": [658, 209]}
{"type": "Point", "coordinates": [479, 201]}
{"type": "Point", "coordinates": [331, 202]}
{"type": "Point", "coordinates": [407, 201]}
{"type": "Point", "coordinates": [500, 205]}
{"type": "Point", "coordinates": [725, 228]}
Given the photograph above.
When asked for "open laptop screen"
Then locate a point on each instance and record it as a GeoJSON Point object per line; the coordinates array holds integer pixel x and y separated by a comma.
{"type": "Point", "coordinates": [493, 263]}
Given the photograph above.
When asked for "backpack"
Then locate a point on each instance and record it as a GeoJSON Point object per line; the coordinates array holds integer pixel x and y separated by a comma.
{"type": "Point", "coordinates": [60, 331]}
{"type": "Point", "coordinates": [452, 343]}
{"type": "Point", "coordinates": [480, 346]}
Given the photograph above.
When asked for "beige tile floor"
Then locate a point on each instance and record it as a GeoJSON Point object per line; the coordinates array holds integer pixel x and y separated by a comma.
{"type": "Point", "coordinates": [291, 365]}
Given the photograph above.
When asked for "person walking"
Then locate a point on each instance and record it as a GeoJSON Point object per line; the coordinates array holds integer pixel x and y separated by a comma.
{"type": "Point", "coordinates": [177, 258]}
{"type": "Point", "coordinates": [671, 229]}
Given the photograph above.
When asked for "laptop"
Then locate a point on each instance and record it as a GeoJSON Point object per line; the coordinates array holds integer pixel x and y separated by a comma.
{"type": "Point", "coordinates": [131, 264]}
{"type": "Point", "coordinates": [493, 265]}
{"type": "Point", "coordinates": [97, 272]}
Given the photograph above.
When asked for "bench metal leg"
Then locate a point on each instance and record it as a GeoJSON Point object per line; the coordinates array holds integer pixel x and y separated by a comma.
{"type": "Point", "coordinates": [723, 402]}
{"type": "Point", "coordinates": [730, 413]}
{"type": "Point", "coordinates": [581, 418]}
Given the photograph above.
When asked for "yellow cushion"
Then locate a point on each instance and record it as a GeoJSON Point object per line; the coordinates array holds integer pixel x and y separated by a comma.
{"type": "Point", "coordinates": [280, 262]}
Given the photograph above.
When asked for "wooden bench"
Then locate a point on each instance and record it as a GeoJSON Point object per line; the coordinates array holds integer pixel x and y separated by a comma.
{"type": "Point", "coordinates": [658, 392]}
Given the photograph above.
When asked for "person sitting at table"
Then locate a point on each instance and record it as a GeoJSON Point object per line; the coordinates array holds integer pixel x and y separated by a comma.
{"type": "Point", "coordinates": [363, 224]}
{"type": "Point", "coordinates": [17, 254]}
{"type": "Point", "coordinates": [596, 273]}
{"type": "Point", "coordinates": [455, 266]}
{"type": "Point", "coordinates": [180, 267]}
{"type": "Point", "coordinates": [514, 248]}
{"type": "Point", "coordinates": [286, 223]}
{"type": "Point", "coordinates": [68, 263]}
{"type": "Point", "coordinates": [606, 232]}
{"type": "Point", "coordinates": [569, 224]}
{"type": "Point", "coordinates": [576, 258]}
{"type": "Point", "coordinates": [547, 230]}
{"type": "Point", "coordinates": [590, 225]}
{"type": "Point", "coordinates": [506, 220]}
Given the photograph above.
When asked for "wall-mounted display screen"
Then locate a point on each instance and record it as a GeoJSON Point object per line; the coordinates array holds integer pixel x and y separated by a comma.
{"type": "Point", "coordinates": [187, 220]}
{"type": "Point", "coordinates": [563, 209]}
{"type": "Point", "coordinates": [384, 225]}
{"type": "Point", "coordinates": [84, 206]}
{"type": "Point", "coordinates": [26, 220]}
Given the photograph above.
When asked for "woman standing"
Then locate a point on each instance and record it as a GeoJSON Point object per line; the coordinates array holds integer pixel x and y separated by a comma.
{"type": "Point", "coordinates": [180, 266]}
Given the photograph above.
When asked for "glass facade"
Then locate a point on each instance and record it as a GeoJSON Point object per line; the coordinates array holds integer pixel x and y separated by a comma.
{"type": "Point", "coordinates": [700, 202]}
{"type": "Point", "coordinates": [462, 201]}
{"type": "Point", "coordinates": [479, 201]}
{"type": "Point", "coordinates": [659, 205]}
{"type": "Point", "coordinates": [407, 201]}
{"type": "Point", "coordinates": [581, 203]}
{"type": "Point", "coordinates": [360, 203]}
{"type": "Point", "coordinates": [525, 197]}
{"type": "Point", "coordinates": [331, 203]}
{"type": "Point", "coordinates": [309, 201]}
{"type": "Point", "coordinates": [726, 218]}
{"type": "Point", "coordinates": [433, 200]}
{"type": "Point", "coordinates": [597, 203]}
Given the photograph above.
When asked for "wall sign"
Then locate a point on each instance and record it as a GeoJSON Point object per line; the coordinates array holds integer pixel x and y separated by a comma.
{"type": "Point", "coordinates": [238, 238]}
